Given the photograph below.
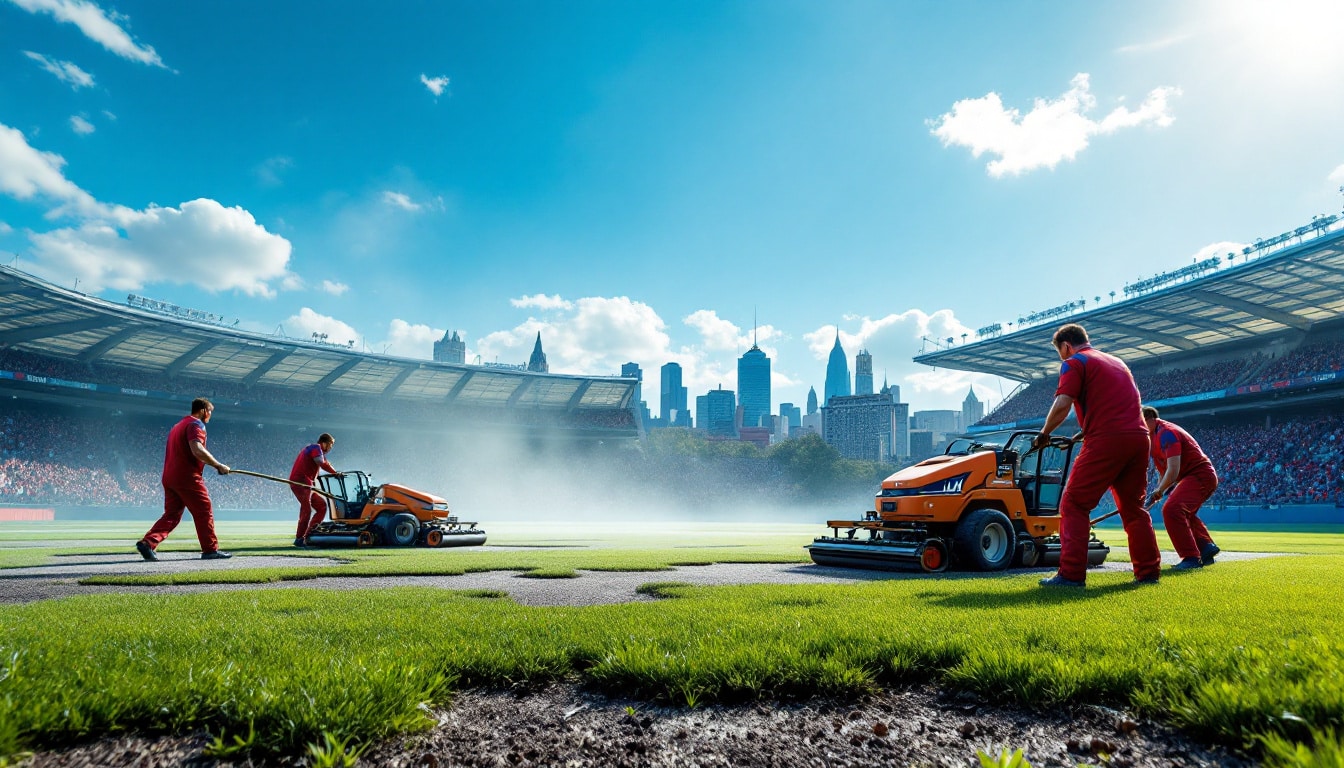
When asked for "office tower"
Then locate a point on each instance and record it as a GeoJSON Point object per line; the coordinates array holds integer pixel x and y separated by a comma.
{"type": "Point", "coordinates": [972, 410]}
{"type": "Point", "coordinates": [672, 397]}
{"type": "Point", "coordinates": [837, 373]}
{"type": "Point", "coordinates": [863, 373]}
{"type": "Point", "coordinates": [753, 382]}
{"type": "Point", "coordinates": [537, 362]}
{"type": "Point", "coordinates": [450, 349]}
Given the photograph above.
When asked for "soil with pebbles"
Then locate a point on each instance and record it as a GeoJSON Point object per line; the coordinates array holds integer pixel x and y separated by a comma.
{"type": "Point", "coordinates": [564, 725]}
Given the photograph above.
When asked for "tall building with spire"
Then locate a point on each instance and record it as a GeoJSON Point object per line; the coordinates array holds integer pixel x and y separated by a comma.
{"type": "Point", "coordinates": [837, 372]}
{"type": "Point", "coordinates": [972, 410]}
{"type": "Point", "coordinates": [537, 362]}
{"type": "Point", "coordinates": [450, 349]}
{"type": "Point", "coordinates": [753, 386]}
{"type": "Point", "coordinates": [811, 399]}
{"type": "Point", "coordinates": [863, 373]}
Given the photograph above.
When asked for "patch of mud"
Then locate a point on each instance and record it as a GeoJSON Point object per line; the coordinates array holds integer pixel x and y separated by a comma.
{"type": "Point", "coordinates": [564, 725]}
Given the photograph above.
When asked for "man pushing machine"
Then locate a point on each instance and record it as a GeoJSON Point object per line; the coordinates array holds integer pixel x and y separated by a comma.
{"type": "Point", "coordinates": [1101, 391]}
{"type": "Point", "coordinates": [312, 458]}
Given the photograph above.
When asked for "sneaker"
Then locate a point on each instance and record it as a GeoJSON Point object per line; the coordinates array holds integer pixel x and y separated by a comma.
{"type": "Point", "coordinates": [145, 550]}
{"type": "Point", "coordinates": [1060, 581]}
{"type": "Point", "coordinates": [1208, 552]}
{"type": "Point", "coordinates": [216, 555]}
{"type": "Point", "coordinates": [301, 543]}
{"type": "Point", "coordinates": [1188, 564]}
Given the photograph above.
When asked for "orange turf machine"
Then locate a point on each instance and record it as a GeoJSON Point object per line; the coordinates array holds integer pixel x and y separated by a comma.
{"type": "Point", "coordinates": [365, 515]}
{"type": "Point", "coordinates": [980, 506]}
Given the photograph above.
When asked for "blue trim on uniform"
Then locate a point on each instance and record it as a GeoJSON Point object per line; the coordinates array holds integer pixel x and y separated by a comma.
{"type": "Point", "coordinates": [1166, 438]}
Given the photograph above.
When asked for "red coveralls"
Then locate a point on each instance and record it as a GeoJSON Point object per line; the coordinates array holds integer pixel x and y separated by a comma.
{"type": "Point", "coordinates": [1194, 485]}
{"type": "Point", "coordinates": [184, 488]}
{"type": "Point", "coordinates": [1114, 457]}
{"type": "Point", "coordinates": [305, 468]}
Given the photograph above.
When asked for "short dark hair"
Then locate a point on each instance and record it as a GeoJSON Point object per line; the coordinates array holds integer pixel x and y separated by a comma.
{"type": "Point", "coordinates": [325, 438]}
{"type": "Point", "coordinates": [1072, 333]}
{"type": "Point", "coordinates": [1149, 412]}
{"type": "Point", "coordinates": [200, 404]}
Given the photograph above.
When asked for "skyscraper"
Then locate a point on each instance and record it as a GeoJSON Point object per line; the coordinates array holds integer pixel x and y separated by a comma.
{"type": "Point", "coordinates": [862, 426]}
{"type": "Point", "coordinates": [811, 399]}
{"type": "Point", "coordinates": [672, 398]}
{"type": "Point", "coordinates": [753, 381]}
{"type": "Point", "coordinates": [863, 373]}
{"type": "Point", "coordinates": [719, 412]}
{"type": "Point", "coordinates": [837, 372]}
{"type": "Point", "coordinates": [972, 410]}
{"type": "Point", "coordinates": [450, 349]}
{"type": "Point", "coordinates": [633, 371]}
{"type": "Point", "coordinates": [537, 362]}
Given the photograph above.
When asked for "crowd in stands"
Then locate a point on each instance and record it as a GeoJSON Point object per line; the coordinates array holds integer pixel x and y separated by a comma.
{"type": "Point", "coordinates": [1029, 402]}
{"type": "Point", "coordinates": [1296, 461]}
{"type": "Point", "coordinates": [1159, 385]}
{"type": "Point", "coordinates": [1032, 401]}
{"type": "Point", "coordinates": [1320, 357]}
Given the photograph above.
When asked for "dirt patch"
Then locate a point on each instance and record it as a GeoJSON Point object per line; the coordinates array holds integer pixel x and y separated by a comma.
{"type": "Point", "coordinates": [564, 725]}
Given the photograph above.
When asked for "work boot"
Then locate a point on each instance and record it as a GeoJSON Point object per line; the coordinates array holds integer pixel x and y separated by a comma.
{"type": "Point", "coordinates": [301, 543]}
{"type": "Point", "coordinates": [1188, 564]}
{"type": "Point", "coordinates": [1146, 580]}
{"type": "Point", "coordinates": [1208, 552]}
{"type": "Point", "coordinates": [1060, 581]}
{"type": "Point", "coordinates": [145, 550]}
{"type": "Point", "coordinates": [216, 555]}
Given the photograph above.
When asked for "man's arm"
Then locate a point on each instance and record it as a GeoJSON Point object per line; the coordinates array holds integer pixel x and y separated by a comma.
{"type": "Point", "coordinates": [1168, 479]}
{"type": "Point", "coordinates": [198, 450]}
{"type": "Point", "coordinates": [1059, 411]}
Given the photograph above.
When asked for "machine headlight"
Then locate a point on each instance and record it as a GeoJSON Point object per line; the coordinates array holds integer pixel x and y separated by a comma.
{"type": "Point", "coordinates": [950, 485]}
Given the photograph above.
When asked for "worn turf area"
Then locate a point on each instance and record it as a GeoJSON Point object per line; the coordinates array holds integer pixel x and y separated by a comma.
{"type": "Point", "coordinates": [1227, 654]}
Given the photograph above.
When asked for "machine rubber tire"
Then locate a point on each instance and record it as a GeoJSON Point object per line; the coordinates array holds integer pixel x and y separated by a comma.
{"type": "Point", "coordinates": [1020, 558]}
{"type": "Point", "coordinates": [400, 530]}
{"type": "Point", "coordinates": [433, 538]}
{"type": "Point", "coordinates": [985, 540]}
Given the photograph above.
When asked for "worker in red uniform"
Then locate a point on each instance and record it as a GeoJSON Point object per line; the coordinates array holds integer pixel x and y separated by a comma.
{"type": "Point", "coordinates": [183, 486]}
{"type": "Point", "coordinates": [306, 464]}
{"type": "Point", "coordinates": [1184, 465]}
{"type": "Point", "coordinates": [1101, 391]}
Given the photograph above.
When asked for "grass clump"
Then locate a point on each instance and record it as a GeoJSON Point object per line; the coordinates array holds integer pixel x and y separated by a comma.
{"type": "Point", "coordinates": [662, 589]}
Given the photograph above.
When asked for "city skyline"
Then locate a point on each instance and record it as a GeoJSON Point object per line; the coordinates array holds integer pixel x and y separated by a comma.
{"type": "Point", "coordinates": [382, 174]}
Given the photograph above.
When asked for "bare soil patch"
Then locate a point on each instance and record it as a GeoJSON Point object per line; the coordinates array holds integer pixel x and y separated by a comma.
{"type": "Point", "coordinates": [564, 725]}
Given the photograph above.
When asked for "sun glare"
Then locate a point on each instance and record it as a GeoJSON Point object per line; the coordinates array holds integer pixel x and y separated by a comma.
{"type": "Point", "coordinates": [1288, 38]}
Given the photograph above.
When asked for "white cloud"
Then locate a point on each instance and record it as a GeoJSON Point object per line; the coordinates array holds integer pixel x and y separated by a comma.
{"type": "Point", "coordinates": [27, 173]}
{"type": "Point", "coordinates": [1052, 132]}
{"type": "Point", "coordinates": [1337, 176]}
{"type": "Point", "coordinates": [334, 288]}
{"type": "Point", "coordinates": [1154, 45]}
{"type": "Point", "coordinates": [96, 24]}
{"type": "Point", "coordinates": [436, 85]}
{"type": "Point", "coordinates": [597, 335]}
{"type": "Point", "coordinates": [81, 126]}
{"type": "Point", "coordinates": [402, 201]}
{"type": "Point", "coordinates": [108, 114]}
{"type": "Point", "coordinates": [720, 335]}
{"type": "Point", "coordinates": [269, 172]}
{"type": "Point", "coordinates": [5, 229]}
{"type": "Point", "coordinates": [542, 301]}
{"type": "Point", "coordinates": [410, 339]}
{"type": "Point", "coordinates": [200, 243]}
{"type": "Point", "coordinates": [65, 71]}
{"type": "Point", "coordinates": [308, 322]}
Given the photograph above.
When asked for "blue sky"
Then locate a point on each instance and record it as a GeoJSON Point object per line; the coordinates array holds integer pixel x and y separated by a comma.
{"type": "Point", "coordinates": [633, 180]}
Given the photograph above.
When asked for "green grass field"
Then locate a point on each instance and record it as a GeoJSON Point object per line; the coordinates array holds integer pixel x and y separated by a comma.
{"type": "Point", "coordinates": [1237, 653]}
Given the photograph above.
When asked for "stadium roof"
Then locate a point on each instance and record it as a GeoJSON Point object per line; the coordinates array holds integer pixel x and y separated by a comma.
{"type": "Point", "coordinates": [38, 317]}
{"type": "Point", "coordinates": [1293, 289]}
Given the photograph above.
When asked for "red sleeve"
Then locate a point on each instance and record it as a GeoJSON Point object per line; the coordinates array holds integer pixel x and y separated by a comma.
{"type": "Point", "coordinates": [328, 467]}
{"type": "Point", "coordinates": [1071, 377]}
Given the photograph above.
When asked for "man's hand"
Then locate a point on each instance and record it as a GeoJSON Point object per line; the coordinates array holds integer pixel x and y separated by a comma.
{"type": "Point", "coordinates": [1041, 440]}
{"type": "Point", "coordinates": [1152, 499]}
{"type": "Point", "coordinates": [222, 469]}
